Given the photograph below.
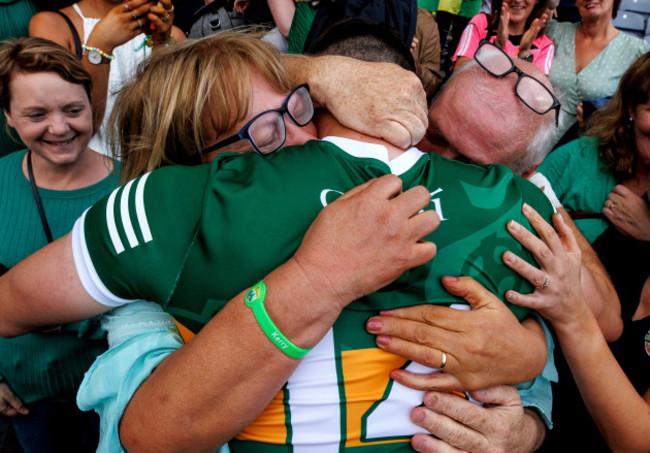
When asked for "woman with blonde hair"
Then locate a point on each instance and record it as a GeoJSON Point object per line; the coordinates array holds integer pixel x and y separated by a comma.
{"type": "Point", "coordinates": [157, 123]}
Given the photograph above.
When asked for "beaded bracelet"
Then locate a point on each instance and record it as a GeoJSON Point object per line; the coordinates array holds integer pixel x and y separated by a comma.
{"type": "Point", "coordinates": [148, 41]}
{"type": "Point", "coordinates": [99, 51]}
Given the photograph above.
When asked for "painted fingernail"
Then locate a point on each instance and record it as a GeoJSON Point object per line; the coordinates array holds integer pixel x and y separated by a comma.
{"type": "Point", "coordinates": [383, 340]}
{"type": "Point", "coordinates": [374, 325]}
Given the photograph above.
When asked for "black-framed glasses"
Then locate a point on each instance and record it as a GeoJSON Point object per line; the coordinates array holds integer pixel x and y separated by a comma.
{"type": "Point", "coordinates": [531, 91]}
{"type": "Point", "coordinates": [266, 131]}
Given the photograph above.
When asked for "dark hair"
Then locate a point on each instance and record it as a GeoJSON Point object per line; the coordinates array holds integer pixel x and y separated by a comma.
{"type": "Point", "coordinates": [365, 40]}
{"type": "Point", "coordinates": [39, 55]}
{"type": "Point", "coordinates": [612, 125]}
{"type": "Point", "coordinates": [617, 3]}
{"type": "Point", "coordinates": [540, 8]}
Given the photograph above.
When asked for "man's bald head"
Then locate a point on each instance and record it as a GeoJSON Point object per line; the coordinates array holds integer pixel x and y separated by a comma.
{"type": "Point", "coordinates": [478, 118]}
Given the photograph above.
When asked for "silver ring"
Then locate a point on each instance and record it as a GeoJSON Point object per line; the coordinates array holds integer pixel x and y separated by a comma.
{"type": "Point", "coordinates": [139, 23]}
{"type": "Point", "coordinates": [546, 283]}
{"type": "Point", "coordinates": [166, 18]}
{"type": "Point", "coordinates": [126, 6]}
{"type": "Point", "coordinates": [169, 11]}
{"type": "Point", "coordinates": [444, 361]}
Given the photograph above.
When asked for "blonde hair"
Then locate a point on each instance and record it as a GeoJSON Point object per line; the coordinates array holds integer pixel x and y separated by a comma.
{"type": "Point", "coordinates": [158, 118]}
{"type": "Point", "coordinates": [612, 124]}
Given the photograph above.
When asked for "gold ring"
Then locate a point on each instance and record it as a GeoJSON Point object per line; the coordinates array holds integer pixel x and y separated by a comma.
{"type": "Point", "coordinates": [169, 11]}
{"type": "Point", "coordinates": [134, 16]}
{"type": "Point", "coordinates": [444, 361]}
{"type": "Point", "coordinates": [546, 283]}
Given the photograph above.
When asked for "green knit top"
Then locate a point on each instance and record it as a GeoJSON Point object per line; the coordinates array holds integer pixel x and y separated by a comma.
{"type": "Point", "coordinates": [44, 365]}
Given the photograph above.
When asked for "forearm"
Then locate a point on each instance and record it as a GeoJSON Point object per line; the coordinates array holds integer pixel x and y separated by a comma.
{"type": "Point", "coordinates": [188, 408]}
{"type": "Point", "coordinates": [597, 287]}
{"type": "Point", "coordinates": [622, 415]}
{"type": "Point", "coordinates": [44, 290]}
{"type": "Point", "coordinates": [309, 70]}
{"type": "Point", "coordinates": [282, 12]}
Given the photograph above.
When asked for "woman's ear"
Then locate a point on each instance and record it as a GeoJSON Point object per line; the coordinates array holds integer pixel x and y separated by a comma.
{"type": "Point", "coordinates": [8, 117]}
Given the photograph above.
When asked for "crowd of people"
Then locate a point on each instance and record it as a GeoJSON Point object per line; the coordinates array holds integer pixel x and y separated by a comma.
{"type": "Point", "coordinates": [208, 243]}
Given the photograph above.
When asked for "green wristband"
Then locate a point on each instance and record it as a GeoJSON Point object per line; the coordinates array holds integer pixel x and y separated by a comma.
{"type": "Point", "coordinates": [255, 300]}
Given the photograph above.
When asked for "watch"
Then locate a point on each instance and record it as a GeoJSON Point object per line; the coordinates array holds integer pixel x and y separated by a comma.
{"type": "Point", "coordinates": [96, 56]}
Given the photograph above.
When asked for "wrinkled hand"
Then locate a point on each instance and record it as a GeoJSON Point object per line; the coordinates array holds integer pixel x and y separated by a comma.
{"type": "Point", "coordinates": [503, 32]}
{"type": "Point", "coordinates": [10, 404]}
{"type": "Point", "coordinates": [367, 238]}
{"type": "Point", "coordinates": [161, 15]}
{"type": "Point", "coordinates": [120, 25]}
{"type": "Point", "coordinates": [530, 35]}
{"type": "Point", "coordinates": [500, 425]}
{"type": "Point", "coordinates": [628, 212]}
{"type": "Point", "coordinates": [560, 260]}
{"type": "Point", "coordinates": [378, 99]}
{"type": "Point", "coordinates": [473, 341]}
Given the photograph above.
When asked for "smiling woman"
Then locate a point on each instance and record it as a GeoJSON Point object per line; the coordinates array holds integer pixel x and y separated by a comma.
{"type": "Point", "coordinates": [517, 26]}
{"type": "Point", "coordinates": [44, 93]}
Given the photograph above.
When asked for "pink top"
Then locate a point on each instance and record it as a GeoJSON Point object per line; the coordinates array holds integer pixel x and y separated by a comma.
{"type": "Point", "coordinates": [542, 48]}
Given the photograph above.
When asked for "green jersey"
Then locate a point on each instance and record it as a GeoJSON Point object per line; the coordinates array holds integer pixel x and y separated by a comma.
{"type": "Point", "coordinates": [191, 238]}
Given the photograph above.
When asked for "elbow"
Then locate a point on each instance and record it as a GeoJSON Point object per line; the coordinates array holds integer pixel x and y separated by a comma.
{"type": "Point", "coordinates": [614, 330]}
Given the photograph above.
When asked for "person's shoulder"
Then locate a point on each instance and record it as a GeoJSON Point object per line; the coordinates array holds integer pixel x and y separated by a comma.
{"type": "Point", "coordinates": [11, 158]}
{"type": "Point", "coordinates": [51, 25]}
{"type": "Point", "coordinates": [557, 29]}
{"type": "Point", "coordinates": [480, 20]}
{"type": "Point", "coordinates": [633, 44]}
{"type": "Point", "coordinates": [46, 20]}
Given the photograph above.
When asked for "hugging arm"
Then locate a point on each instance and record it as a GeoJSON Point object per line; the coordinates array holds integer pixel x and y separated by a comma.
{"type": "Point", "coordinates": [211, 388]}
{"type": "Point", "coordinates": [379, 99]}
{"type": "Point", "coordinates": [622, 415]}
